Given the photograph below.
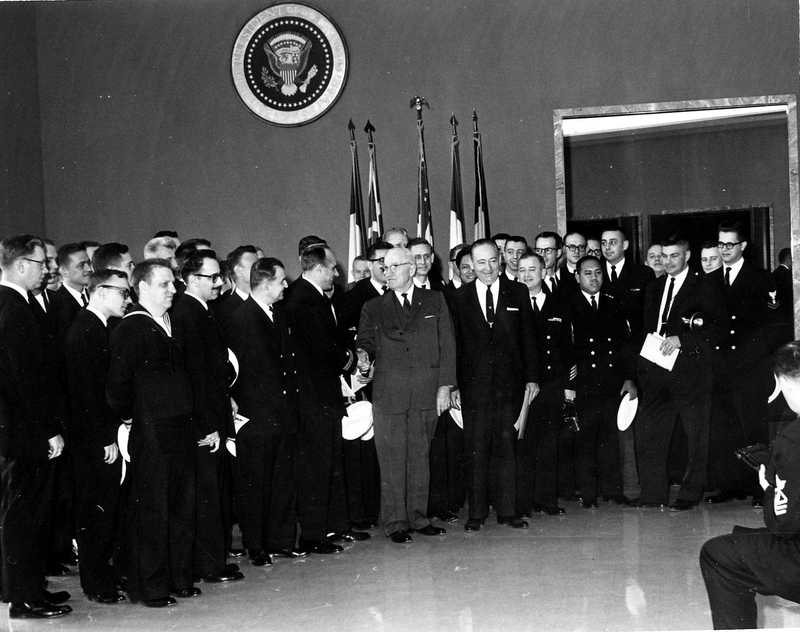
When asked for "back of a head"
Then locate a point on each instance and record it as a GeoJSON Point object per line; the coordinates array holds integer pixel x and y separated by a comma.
{"type": "Point", "coordinates": [312, 257]}
{"type": "Point", "coordinates": [307, 242]}
{"type": "Point", "coordinates": [108, 255]}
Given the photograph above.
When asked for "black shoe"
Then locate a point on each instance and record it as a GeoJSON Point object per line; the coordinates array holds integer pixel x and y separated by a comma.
{"type": "Point", "coordinates": [550, 510]}
{"type": "Point", "coordinates": [445, 516]}
{"type": "Point", "coordinates": [158, 602]}
{"type": "Point", "coordinates": [473, 524]}
{"type": "Point", "coordinates": [107, 597]}
{"type": "Point", "coordinates": [221, 577]}
{"type": "Point", "coordinates": [618, 499]}
{"type": "Point", "coordinates": [185, 593]}
{"type": "Point", "coordinates": [261, 559]}
{"type": "Point", "coordinates": [286, 552]}
{"type": "Point", "coordinates": [400, 537]}
{"type": "Point", "coordinates": [641, 504]}
{"type": "Point", "coordinates": [54, 569]}
{"type": "Point", "coordinates": [512, 521]}
{"type": "Point", "coordinates": [589, 503]}
{"type": "Point", "coordinates": [320, 547]}
{"type": "Point", "coordinates": [236, 552]}
{"type": "Point", "coordinates": [349, 536]}
{"type": "Point", "coordinates": [724, 497]}
{"type": "Point", "coordinates": [429, 530]}
{"type": "Point", "coordinates": [682, 504]}
{"type": "Point", "coordinates": [37, 610]}
{"type": "Point", "coordinates": [364, 525]}
{"type": "Point", "coordinates": [56, 598]}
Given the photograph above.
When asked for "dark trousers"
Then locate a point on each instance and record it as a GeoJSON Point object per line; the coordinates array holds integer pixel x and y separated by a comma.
{"type": "Point", "coordinates": [537, 451]}
{"type": "Point", "coordinates": [448, 491]}
{"type": "Point", "coordinates": [62, 526]}
{"type": "Point", "coordinates": [597, 460]}
{"type": "Point", "coordinates": [210, 552]}
{"type": "Point", "coordinates": [24, 525]}
{"type": "Point", "coordinates": [97, 486]}
{"type": "Point", "coordinates": [403, 443]}
{"type": "Point", "coordinates": [655, 425]}
{"type": "Point", "coordinates": [491, 451]}
{"type": "Point", "coordinates": [267, 467]}
{"type": "Point", "coordinates": [362, 479]}
{"type": "Point", "coordinates": [161, 510]}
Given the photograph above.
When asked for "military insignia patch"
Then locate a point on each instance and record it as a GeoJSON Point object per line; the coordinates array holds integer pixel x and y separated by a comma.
{"type": "Point", "coordinates": [289, 64]}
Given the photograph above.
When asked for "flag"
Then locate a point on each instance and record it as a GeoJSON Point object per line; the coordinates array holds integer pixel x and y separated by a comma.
{"type": "Point", "coordinates": [424, 224]}
{"type": "Point", "coordinates": [356, 243]}
{"type": "Point", "coordinates": [481, 203]}
{"type": "Point", "coordinates": [456, 192]}
{"type": "Point", "coordinates": [374, 218]}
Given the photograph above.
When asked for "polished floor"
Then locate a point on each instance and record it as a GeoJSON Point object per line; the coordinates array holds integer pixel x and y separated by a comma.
{"type": "Point", "coordinates": [604, 569]}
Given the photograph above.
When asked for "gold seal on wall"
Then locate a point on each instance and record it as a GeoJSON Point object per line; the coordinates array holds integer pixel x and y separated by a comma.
{"type": "Point", "coordinates": [289, 64]}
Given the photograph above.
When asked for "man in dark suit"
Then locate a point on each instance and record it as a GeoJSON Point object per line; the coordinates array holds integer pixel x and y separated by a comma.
{"type": "Point", "coordinates": [683, 391]}
{"type": "Point", "coordinates": [75, 268]}
{"type": "Point", "coordinates": [29, 434]}
{"type": "Point", "coordinates": [784, 286]}
{"type": "Point", "coordinates": [742, 376]}
{"type": "Point", "coordinates": [408, 334]}
{"type": "Point", "coordinates": [548, 246]}
{"type": "Point", "coordinates": [206, 360]}
{"type": "Point", "coordinates": [93, 432]}
{"type": "Point", "coordinates": [427, 276]}
{"type": "Point", "coordinates": [605, 373]}
{"type": "Point", "coordinates": [498, 371]}
{"type": "Point", "coordinates": [624, 279]}
{"type": "Point", "coordinates": [366, 289]}
{"type": "Point", "coordinates": [149, 389]}
{"type": "Point", "coordinates": [267, 395]}
{"type": "Point", "coordinates": [537, 455]}
{"type": "Point", "coordinates": [574, 249]}
{"type": "Point", "coordinates": [324, 356]}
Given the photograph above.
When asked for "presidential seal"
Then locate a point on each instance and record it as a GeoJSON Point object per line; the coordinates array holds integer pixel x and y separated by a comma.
{"type": "Point", "coordinates": [289, 64]}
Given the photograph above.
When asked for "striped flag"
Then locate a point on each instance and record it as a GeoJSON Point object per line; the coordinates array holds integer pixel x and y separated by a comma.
{"type": "Point", "coordinates": [457, 235]}
{"type": "Point", "coordinates": [356, 242]}
{"type": "Point", "coordinates": [424, 220]}
{"type": "Point", "coordinates": [481, 203]}
{"type": "Point", "coordinates": [374, 217]}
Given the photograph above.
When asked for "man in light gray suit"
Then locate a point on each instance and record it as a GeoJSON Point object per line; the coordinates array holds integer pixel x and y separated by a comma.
{"type": "Point", "coordinates": [408, 334]}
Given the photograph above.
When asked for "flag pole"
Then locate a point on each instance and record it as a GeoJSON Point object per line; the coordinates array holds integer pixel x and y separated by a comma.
{"type": "Point", "coordinates": [374, 228]}
{"type": "Point", "coordinates": [424, 219]}
{"type": "Point", "coordinates": [457, 235]}
{"type": "Point", "coordinates": [356, 219]}
{"type": "Point", "coordinates": [481, 202]}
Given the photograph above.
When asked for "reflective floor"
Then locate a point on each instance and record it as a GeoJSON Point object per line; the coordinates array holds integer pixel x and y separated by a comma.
{"type": "Point", "coordinates": [604, 569]}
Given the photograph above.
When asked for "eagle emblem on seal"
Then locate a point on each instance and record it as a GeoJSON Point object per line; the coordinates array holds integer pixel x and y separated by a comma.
{"type": "Point", "coordinates": [287, 54]}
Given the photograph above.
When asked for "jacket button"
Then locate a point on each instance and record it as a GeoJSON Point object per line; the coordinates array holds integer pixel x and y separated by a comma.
{"type": "Point", "coordinates": [591, 339]}
{"type": "Point", "coordinates": [733, 347]}
{"type": "Point", "coordinates": [592, 352]}
{"type": "Point", "coordinates": [733, 317]}
{"type": "Point", "coordinates": [594, 366]}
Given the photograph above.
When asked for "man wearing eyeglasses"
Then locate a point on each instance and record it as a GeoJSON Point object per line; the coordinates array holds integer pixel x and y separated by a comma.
{"type": "Point", "coordinates": [93, 434]}
{"type": "Point", "coordinates": [742, 378]}
{"type": "Point", "coordinates": [408, 334]}
{"type": "Point", "coordinates": [425, 277]}
{"type": "Point", "coordinates": [574, 249]}
{"type": "Point", "coordinates": [548, 247]}
{"type": "Point", "coordinates": [29, 435]}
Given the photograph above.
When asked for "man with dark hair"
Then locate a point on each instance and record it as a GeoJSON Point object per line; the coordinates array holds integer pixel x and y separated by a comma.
{"type": "Point", "coordinates": [113, 256]}
{"type": "Point", "coordinates": [359, 269]}
{"type": "Point", "coordinates": [782, 276]}
{"type": "Point", "coordinates": [455, 277]}
{"type": "Point", "coordinates": [710, 258]}
{"type": "Point", "coordinates": [742, 379]}
{"type": "Point", "coordinates": [240, 260]}
{"type": "Point", "coordinates": [682, 392]}
{"type": "Point", "coordinates": [653, 259]}
{"type": "Point", "coordinates": [426, 276]}
{"type": "Point", "coordinates": [500, 241]}
{"type": "Point", "coordinates": [765, 560]}
{"type": "Point", "coordinates": [149, 389]}
{"type": "Point", "coordinates": [574, 248]}
{"type": "Point", "coordinates": [515, 247]}
{"type": "Point", "coordinates": [93, 434]}
{"type": "Point", "coordinates": [168, 233]}
{"type": "Point", "coordinates": [498, 372]}
{"type": "Point", "coordinates": [29, 435]}
{"type": "Point", "coordinates": [189, 246]}
{"type": "Point", "coordinates": [206, 360]}
{"type": "Point", "coordinates": [90, 246]}
{"type": "Point", "coordinates": [75, 269]}
{"type": "Point", "coordinates": [548, 246]}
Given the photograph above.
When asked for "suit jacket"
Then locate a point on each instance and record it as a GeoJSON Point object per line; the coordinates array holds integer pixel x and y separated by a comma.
{"type": "Point", "coordinates": [267, 388]}
{"type": "Point", "coordinates": [55, 323]}
{"type": "Point", "coordinates": [782, 278]}
{"type": "Point", "coordinates": [27, 418]}
{"type": "Point", "coordinates": [354, 300]}
{"type": "Point", "coordinates": [629, 289]}
{"type": "Point", "coordinates": [205, 355]}
{"type": "Point", "coordinates": [554, 340]}
{"type": "Point", "coordinates": [225, 306]}
{"type": "Point", "coordinates": [698, 294]}
{"type": "Point", "coordinates": [414, 353]}
{"type": "Point", "coordinates": [91, 422]}
{"type": "Point", "coordinates": [70, 305]}
{"type": "Point", "coordinates": [504, 354]}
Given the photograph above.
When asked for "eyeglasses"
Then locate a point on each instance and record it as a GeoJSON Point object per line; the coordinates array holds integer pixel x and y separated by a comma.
{"type": "Point", "coordinates": [393, 268]}
{"type": "Point", "coordinates": [574, 248]}
{"type": "Point", "coordinates": [727, 245]}
{"type": "Point", "coordinates": [545, 251]}
{"type": "Point", "coordinates": [124, 292]}
{"type": "Point", "coordinates": [42, 263]}
{"type": "Point", "coordinates": [374, 260]}
{"type": "Point", "coordinates": [214, 277]}
{"type": "Point", "coordinates": [593, 253]}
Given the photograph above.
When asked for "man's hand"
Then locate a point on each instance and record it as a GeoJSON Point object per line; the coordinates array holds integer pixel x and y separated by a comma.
{"type": "Point", "coordinates": [210, 440]}
{"type": "Point", "coordinates": [442, 399]}
{"type": "Point", "coordinates": [56, 446]}
{"type": "Point", "coordinates": [363, 361]}
{"type": "Point", "coordinates": [111, 453]}
{"type": "Point", "coordinates": [455, 399]}
{"type": "Point", "coordinates": [531, 391]}
{"type": "Point", "coordinates": [366, 378]}
{"type": "Point", "coordinates": [628, 387]}
{"type": "Point", "coordinates": [669, 345]}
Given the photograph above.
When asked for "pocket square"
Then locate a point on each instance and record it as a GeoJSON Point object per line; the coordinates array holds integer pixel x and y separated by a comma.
{"type": "Point", "coordinates": [512, 309]}
{"type": "Point", "coordinates": [431, 316]}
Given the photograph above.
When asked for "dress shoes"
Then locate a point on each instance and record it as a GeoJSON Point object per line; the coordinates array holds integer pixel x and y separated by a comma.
{"type": "Point", "coordinates": [107, 597]}
{"type": "Point", "coordinates": [236, 552]}
{"type": "Point", "coordinates": [54, 569]}
{"type": "Point", "coordinates": [589, 503]}
{"type": "Point", "coordinates": [261, 559]}
{"type": "Point", "coordinates": [185, 593]}
{"type": "Point", "coordinates": [473, 524]}
{"type": "Point", "coordinates": [512, 521]}
{"type": "Point", "coordinates": [429, 530]}
{"type": "Point", "coordinates": [320, 547]}
{"type": "Point", "coordinates": [364, 525]}
{"type": "Point", "coordinates": [619, 499]}
{"type": "Point", "coordinates": [445, 516]}
{"type": "Point", "coordinates": [683, 505]}
{"type": "Point", "coordinates": [56, 598]}
{"type": "Point", "coordinates": [641, 504]}
{"type": "Point", "coordinates": [286, 552]}
{"type": "Point", "coordinates": [222, 577]}
{"type": "Point", "coordinates": [400, 537]}
{"type": "Point", "coordinates": [724, 497]}
{"type": "Point", "coordinates": [158, 602]}
{"type": "Point", "coordinates": [36, 610]}
{"type": "Point", "coordinates": [550, 510]}
{"type": "Point", "coordinates": [349, 536]}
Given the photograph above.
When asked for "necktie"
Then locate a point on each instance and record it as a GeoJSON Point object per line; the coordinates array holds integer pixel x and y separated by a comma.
{"type": "Point", "coordinates": [489, 306]}
{"type": "Point", "coordinates": [667, 305]}
{"type": "Point", "coordinates": [613, 274]}
{"type": "Point", "coordinates": [424, 286]}
{"type": "Point", "coordinates": [384, 288]}
{"type": "Point", "coordinates": [728, 276]}
{"type": "Point", "coordinates": [535, 305]}
{"type": "Point", "coordinates": [406, 304]}
{"type": "Point", "coordinates": [46, 300]}
{"type": "Point", "coordinates": [553, 283]}
{"type": "Point", "coordinates": [84, 300]}
{"type": "Point", "coordinates": [594, 303]}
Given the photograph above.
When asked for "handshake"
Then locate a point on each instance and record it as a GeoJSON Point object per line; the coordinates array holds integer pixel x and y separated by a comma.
{"type": "Point", "coordinates": [365, 366]}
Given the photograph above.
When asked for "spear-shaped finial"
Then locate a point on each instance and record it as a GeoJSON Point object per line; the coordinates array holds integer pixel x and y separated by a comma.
{"type": "Point", "coordinates": [352, 129]}
{"type": "Point", "coordinates": [369, 128]}
{"type": "Point", "coordinates": [474, 121]}
{"type": "Point", "coordinates": [418, 102]}
{"type": "Point", "coordinates": [454, 124]}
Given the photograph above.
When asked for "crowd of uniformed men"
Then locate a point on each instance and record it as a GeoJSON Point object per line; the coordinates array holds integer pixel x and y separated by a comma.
{"type": "Point", "coordinates": [147, 408]}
